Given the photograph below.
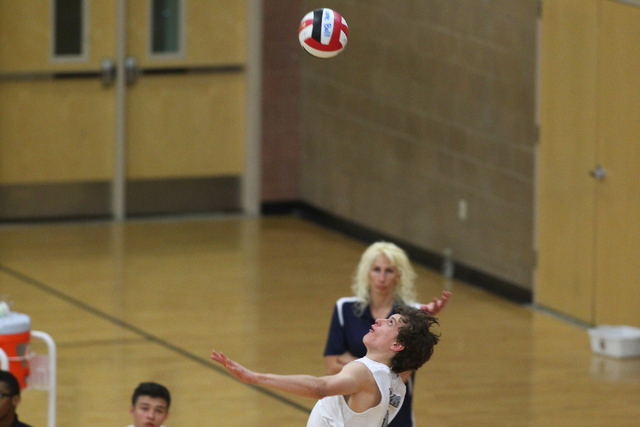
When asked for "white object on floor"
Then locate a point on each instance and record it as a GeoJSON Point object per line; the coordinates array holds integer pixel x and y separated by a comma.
{"type": "Point", "coordinates": [615, 341]}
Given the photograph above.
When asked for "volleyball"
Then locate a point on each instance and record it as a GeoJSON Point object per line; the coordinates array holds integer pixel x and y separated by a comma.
{"type": "Point", "coordinates": [323, 33]}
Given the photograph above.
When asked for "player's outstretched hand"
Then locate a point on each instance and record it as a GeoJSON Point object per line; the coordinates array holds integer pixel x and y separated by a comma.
{"type": "Point", "coordinates": [436, 306]}
{"type": "Point", "coordinates": [236, 369]}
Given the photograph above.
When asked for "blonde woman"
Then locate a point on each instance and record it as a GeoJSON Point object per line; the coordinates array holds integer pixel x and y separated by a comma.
{"type": "Point", "coordinates": [384, 280]}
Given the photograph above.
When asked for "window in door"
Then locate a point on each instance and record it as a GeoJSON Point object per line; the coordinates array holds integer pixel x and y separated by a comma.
{"type": "Point", "coordinates": [69, 30]}
{"type": "Point", "coordinates": [167, 27]}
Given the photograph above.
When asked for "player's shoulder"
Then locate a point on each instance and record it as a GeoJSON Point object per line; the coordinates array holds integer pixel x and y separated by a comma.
{"type": "Point", "coordinates": [358, 367]}
{"type": "Point", "coordinates": [361, 372]}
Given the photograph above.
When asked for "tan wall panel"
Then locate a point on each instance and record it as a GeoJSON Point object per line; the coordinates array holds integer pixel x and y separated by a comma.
{"type": "Point", "coordinates": [102, 32]}
{"type": "Point", "coordinates": [565, 232]}
{"type": "Point", "coordinates": [216, 33]}
{"type": "Point", "coordinates": [55, 131]}
{"type": "Point", "coordinates": [186, 126]}
{"type": "Point", "coordinates": [25, 36]}
{"type": "Point", "coordinates": [24, 25]}
{"type": "Point", "coordinates": [618, 215]}
{"type": "Point", "coordinates": [217, 30]}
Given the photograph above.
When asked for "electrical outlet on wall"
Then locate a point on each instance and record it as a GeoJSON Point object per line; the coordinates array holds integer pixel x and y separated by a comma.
{"type": "Point", "coordinates": [462, 210]}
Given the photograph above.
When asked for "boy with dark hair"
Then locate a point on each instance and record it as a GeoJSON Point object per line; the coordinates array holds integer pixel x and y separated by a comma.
{"type": "Point", "coordinates": [368, 391]}
{"type": "Point", "coordinates": [150, 405]}
{"type": "Point", "coordinates": [9, 400]}
{"type": "Point", "coordinates": [417, 339]}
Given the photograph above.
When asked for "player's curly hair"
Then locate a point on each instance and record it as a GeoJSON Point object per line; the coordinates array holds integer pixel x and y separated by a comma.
{"type": "Point", "coordinates": [416, 336]}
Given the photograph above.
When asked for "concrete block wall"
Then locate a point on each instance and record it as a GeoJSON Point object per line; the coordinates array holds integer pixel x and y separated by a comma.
{"type": "Point", "coordinates": [431, 106]}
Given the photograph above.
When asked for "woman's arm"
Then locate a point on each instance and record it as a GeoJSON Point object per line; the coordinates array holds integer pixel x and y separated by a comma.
{"type": "Point", "coordinates": [405, 376]}
{"type": "Point", "coordinates": [435, 306]}
{"type": "Point", "coordinates": [335, 363]}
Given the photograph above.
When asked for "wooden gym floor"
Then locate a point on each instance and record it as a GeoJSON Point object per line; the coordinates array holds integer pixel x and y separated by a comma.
{"type": "Point", "coordinates": [148, 300]}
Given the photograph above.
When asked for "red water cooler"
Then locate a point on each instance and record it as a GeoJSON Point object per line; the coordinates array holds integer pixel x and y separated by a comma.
{"type": "Point", "coordinates": [15, 335]}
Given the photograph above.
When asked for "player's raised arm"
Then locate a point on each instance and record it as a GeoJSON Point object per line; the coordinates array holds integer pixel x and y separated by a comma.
{"type": "Point", "coordinates": [350, 380]}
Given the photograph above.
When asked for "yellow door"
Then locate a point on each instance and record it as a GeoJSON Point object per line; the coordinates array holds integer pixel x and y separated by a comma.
{"type": "Point", "coordinates": [56, 115]}
{"type": "Point", "coordinates": [618, 193]}
{"type": "Point", "coordinates": [588, 218]}
{"type": "Point", "coordinates": [76, 139]}
{"type": "Point", "coordinates": [185, 109]}
{"type": "Point", "coordinates": [567, 151]}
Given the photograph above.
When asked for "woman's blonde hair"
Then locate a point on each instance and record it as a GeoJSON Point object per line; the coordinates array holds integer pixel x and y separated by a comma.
{"type": "Point", "coordinates": [404, 292]}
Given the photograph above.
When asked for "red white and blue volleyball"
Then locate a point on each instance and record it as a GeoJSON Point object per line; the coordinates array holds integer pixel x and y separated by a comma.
{"type": "Point", "coordinates": [323, 33]}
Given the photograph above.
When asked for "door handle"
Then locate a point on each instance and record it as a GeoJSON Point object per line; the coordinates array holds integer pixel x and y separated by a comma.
{"type": "Point", "coordinates": [131, 70]}
{"type": "Point", "coordinates": [108, 72]}
{"type": "Point", "coordinates": [598, 173]}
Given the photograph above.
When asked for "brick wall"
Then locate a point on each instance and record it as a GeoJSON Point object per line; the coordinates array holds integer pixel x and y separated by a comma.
{"type": "Point", "coordinates": [281, 102]}
{"type": "Point", "coordinates": [430, 104]}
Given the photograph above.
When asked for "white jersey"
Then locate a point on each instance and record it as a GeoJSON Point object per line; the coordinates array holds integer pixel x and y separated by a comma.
{"type": "Point", "coordinates": [333, 411]}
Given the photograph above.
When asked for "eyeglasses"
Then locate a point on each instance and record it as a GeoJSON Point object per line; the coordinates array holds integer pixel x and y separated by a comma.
{"type": "Point", "coordinates": [6, 395]}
